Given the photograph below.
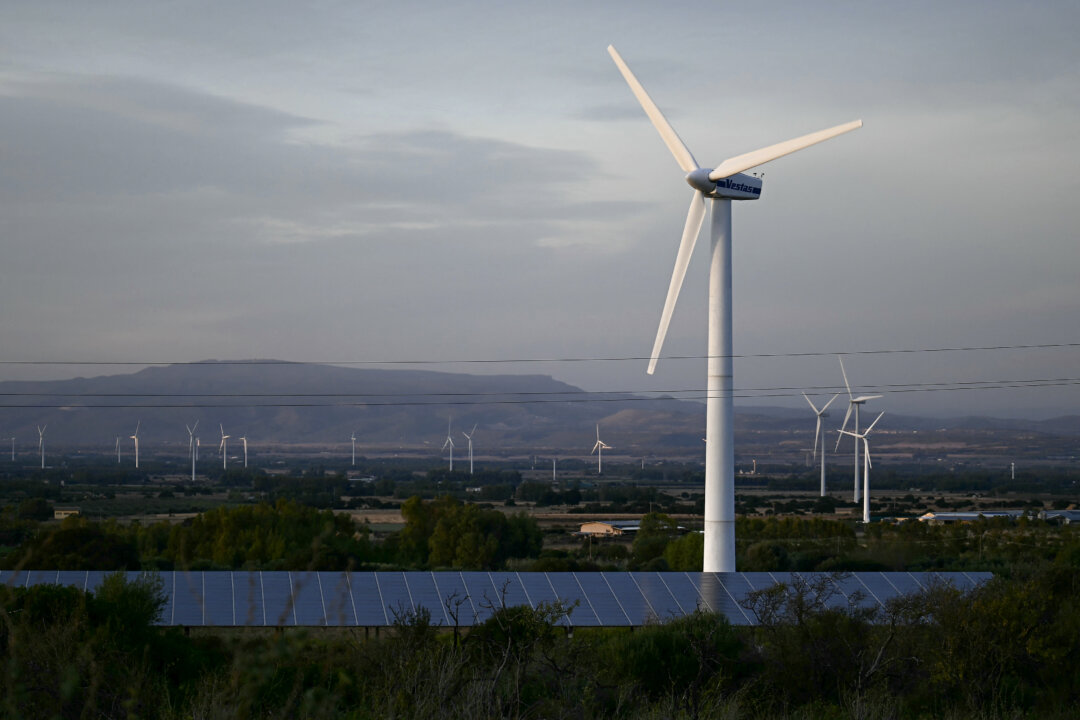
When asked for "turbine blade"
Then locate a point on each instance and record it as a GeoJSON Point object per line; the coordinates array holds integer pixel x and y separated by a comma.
{"type": "Point", "coordinates": [758, 157]}
{"type": "Point", "coordinates": [694, 218]}
{"type": "Point", "coordinates": [595, 447]}
{"type": "Point", "coordinates": [667, 133]}
{"type": "Point", "coordinates": [826, 407]}
{"type": "Point", "coordinates": [867, 430]}
{"type": "Point", "coordinates": [866, 449]}
{"type": "Point", "coordinates": [811, 403]}
{"type": "Point", "coordinates": [843, 427]}
{"type": "Point", "coordinates": [846, 384]}
{"type": "Point", "coordinates": [817, 434]}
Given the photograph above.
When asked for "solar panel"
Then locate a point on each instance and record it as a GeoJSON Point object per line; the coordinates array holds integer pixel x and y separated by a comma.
{"type": "Point", "coordinates": [218, 600]}
{"type": "Point", "coordinates": [604, 602]}
{"type": "Point", "coordinates": [368, 605]}
{"type": "Point", "coordinates": [629, 596]}
{"type": "Point", "coordinates": [336, 600]}
{"type": "Point", "coordinates": [425, 593]}
{"type": "Point", "coordinates": [187, 608]}
{"type": "Point", "coordinates": [248, 604]}
{"type": "Point", "coordinates": [373, 599]}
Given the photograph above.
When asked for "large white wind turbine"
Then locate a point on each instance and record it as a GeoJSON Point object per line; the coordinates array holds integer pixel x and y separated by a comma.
{"type": "Point", "coordinates": [41, 443]}
{"type": "Point", "coordinates": [856, 403]}
{"type": "Point", "coordinates": [599, 449]}
{"type": "Point", "coordinates": [191, 447]}
{"type": "Point", "coordinates": [468, 436]}
{"type": "Point", "coordinates": [135, 437]}
{"type": "Point", "coordinates": [449, 443]}
{"type": "Point", "coordinates": [721, 185]}
{"type": "Point", "coordinates": [866, 464]}
{"type": "Point", "coordinates": [817, 433]}
{"type": "Point", "coordinates": [223, 448]}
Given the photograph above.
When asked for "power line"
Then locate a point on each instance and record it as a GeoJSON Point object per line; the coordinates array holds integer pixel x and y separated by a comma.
{"type": "Point", "coordinates": [434, 399]}
{"type": "Point", "coordinates": [509, 361]}
{"type": "Point", "coordinates": [653, 394]}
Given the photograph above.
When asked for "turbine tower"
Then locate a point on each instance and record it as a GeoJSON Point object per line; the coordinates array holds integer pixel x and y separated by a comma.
{"type": "Point", "coordinates": [468, 436]}
{"type": "Point", "coordinates": [866, 465]}
{"type": "Point", "coordinates": [223, 448]}
{"type": "Point", "coordinates": [244, 440]}
{"type": "Point", "coordinates": [13, 448]}
{"type": "Point", "coordinates": [721, 185]}
{"type": "Point", "coordinates": [192, 446]}
{"type": "Point", "coordinates": [449, 443]}
{"type": "Point", "coordinates": [817, 433]}
{"type": "Point", "coordinates": [856, 403]}
{"type": "Point", "coordinates": [135, 437]}
{"type": "Point", "coordinates": [118, 450]}
{"type": "Point", "coordinates": [599, 449]}
{"type": "Point", "coordinates": [41, 443]}
{"type": "Point", "coordinates": [354, 449]}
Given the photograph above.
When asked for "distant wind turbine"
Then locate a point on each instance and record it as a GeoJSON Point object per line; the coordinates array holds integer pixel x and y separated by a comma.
{"type": "Point", "coordinates": [817, 433]}
{"type": "Point", "coordinates": [41, 443]}
{"type": "Point", "coordinates": [468, 436]}
{"type": "Point", "coordinates": [449, 443]}
{"type": "Point", "coordinates": [599, 449]}
{"type": "Point", "coordinates": [192, 447]}
{"type": "Point", "coordinates": [244, 440]}
{"type": "Point", "coordinates": [720, 185]}
{"type": "Point", "coordinates": [354, 449]}
{"type": "Point", "coordinates": [135, 437]}
{"type": "Point", "coordinates": [223, 448]}
{"type": "Point", "coordinates": [12, 448]}
{"type": "Point", "coordinates": [856, 403]}
{"type": "Point", "coordinates": [118, 450]}
{"type": "Point", "coordinates": [866, 465]}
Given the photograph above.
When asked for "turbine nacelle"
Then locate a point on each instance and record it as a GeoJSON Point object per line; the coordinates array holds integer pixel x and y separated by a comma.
{"type": "Point", "coordinates": [736, 187]}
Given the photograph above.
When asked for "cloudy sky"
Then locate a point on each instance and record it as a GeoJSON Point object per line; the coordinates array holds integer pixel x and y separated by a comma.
{"type": "Point", "coordinates": [389, 181]}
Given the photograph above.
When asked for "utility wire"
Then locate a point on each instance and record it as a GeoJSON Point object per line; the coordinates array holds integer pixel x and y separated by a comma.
{"type": "Point", "coordinates": [507, 361]}
{"type": "Point", "coordinates": [701, 395]}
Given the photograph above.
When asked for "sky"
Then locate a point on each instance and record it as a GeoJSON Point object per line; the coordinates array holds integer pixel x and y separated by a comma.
{"type": "Point", "coordinates": [380, 182]}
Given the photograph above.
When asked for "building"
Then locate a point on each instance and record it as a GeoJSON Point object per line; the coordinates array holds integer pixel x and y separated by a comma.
{"type": "Point", "coordinates": [939, 518]}
{"type": "Point", "coordinates": [64, 512]}
{"type": "Point", "coordinates": [606, 528]}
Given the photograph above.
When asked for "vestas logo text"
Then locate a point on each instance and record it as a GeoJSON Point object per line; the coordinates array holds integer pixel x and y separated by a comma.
{"type": "Point", "coordinates": [729, 184]}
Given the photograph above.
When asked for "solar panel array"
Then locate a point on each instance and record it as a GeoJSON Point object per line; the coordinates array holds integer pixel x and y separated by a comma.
{"type": "Point", "coordinates": [377, 599]}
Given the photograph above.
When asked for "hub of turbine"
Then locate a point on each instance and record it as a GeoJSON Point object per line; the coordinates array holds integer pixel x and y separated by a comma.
{"type": "Point", "coordinates": [699, 180]}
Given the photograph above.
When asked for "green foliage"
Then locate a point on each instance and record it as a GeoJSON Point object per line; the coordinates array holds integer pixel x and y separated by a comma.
{"type": "Point", "coordinates": [448, 533]}
{"type": "Point", "coordinates": [77, 544]}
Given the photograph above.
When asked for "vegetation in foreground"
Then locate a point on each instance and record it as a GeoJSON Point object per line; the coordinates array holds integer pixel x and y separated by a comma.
{"type": "Point", "coordinates": [1003, 650]}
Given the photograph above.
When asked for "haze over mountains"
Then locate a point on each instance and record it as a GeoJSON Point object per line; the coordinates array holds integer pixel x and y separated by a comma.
{"type": "Point", "coordinates": [293, 403]}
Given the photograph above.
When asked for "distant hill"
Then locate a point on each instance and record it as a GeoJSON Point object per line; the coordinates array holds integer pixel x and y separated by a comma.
{"type": "Point", "coordinates": [323, 405]}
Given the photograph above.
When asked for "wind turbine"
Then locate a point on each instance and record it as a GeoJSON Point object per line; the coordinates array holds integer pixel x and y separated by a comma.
{"type": "Point", "coordinates": [244, 440]}
{"type": "Point", "coordinates": [135, 437]}
{"type": "Point", "coordinates": [856, 403]}
{"type": "Point", "coordinates": [223, 448]}
{"type": "Point", "coordinates": [192, 446]}
{"type": "Point", "coordinates": [449, 443]}
{"type": "Point", "coordinates": [41, 443]}
{"type": "Point", "coordinates": [721, 185]}
{"type": "Point", "coordinates": [354, 449]}
{"type": "Point", "coordinates": [866, 465]}
{"type": "Point", "coordinates": [468, 436]}
{"type": "Point", "coordinates": [118, 450]}
{"type": "Point", "coordinates": [599, 449]}
{"type": "Point", "coordinates": [817, 433]}
{"type": "Point", "coordinates": [12, 448]}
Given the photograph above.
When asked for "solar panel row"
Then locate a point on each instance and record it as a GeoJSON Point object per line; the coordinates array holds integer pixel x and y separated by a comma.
{"type": "Point", "coordinates": [374, 599]}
